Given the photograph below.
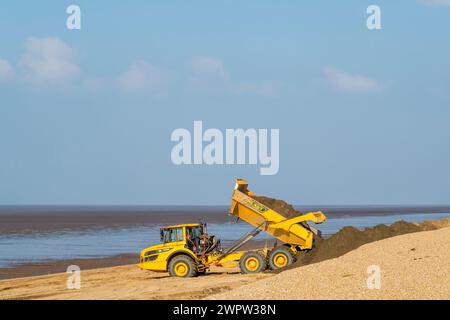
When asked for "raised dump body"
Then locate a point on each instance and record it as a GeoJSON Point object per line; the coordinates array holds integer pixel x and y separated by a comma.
{"type": "Point", "coordinates": [294, 231]}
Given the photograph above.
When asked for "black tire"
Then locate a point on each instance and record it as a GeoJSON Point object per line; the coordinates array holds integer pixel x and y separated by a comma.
{"type": "Point", "coordinates": [281, 257]}
{"type": "Point", "coordinates": [252, 262]}
{"type": "Point", "coordinates": [182, 266]}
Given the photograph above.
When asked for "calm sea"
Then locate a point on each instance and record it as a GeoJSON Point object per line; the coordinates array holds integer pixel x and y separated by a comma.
{"type": "Point", "coordinates": [35, 234]}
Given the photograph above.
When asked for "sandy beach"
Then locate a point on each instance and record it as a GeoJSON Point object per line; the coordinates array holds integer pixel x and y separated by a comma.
{"type": "Point", "coordinates": [413, 266]}
{"type": "Point", "coordinates": [126, 282]}
{"type": "Point", "coordinates": [58, 266]}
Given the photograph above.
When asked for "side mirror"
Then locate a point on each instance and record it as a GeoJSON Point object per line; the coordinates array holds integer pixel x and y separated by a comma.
{"type": "Point", "coordinates": [161, 235]}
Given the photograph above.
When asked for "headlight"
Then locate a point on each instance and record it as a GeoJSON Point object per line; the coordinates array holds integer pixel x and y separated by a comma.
{"type": "Point", "coordinates": [148, 253]}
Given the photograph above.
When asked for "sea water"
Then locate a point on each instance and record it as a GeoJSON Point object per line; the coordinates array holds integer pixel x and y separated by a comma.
{"type": "Point", "coordinates": [24, 248]}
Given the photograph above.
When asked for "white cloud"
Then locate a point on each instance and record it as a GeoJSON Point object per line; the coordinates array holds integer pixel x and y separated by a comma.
{"type": "Point", "coordinates": [346, 82]}
{"type": "Point", "coordinates": [6, 71]}
{"type": "Point", "coordinates": [48, 59]}
{"type": "Point", "coordinates": [210, 75]}
{"type": "Point", "coordinates": [207, 66]}
{"type": "Point", "coordinates": [444, 3]}
{"type": "Point", "coordinates": [142, 77]}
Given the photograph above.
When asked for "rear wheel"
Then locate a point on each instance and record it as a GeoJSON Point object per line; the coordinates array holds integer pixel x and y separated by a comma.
{"type": "Point", "coordinates": [252, 262]}
{"type": "Point", "coordinates": [281, 257]}
{"type": "Point", "coordinates": [182, 266]}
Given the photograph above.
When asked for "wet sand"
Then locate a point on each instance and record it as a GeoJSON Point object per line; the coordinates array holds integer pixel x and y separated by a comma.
{"type": "Point", "coordinates": [48, 219]}
{"type": "Point", "coordinates": [21, 220]}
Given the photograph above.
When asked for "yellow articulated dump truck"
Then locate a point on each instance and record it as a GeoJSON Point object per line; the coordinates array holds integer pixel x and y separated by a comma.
{"type": "Point", "coordinates": [187, 250]}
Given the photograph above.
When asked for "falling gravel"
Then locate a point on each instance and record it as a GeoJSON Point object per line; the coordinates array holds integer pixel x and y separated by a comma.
{"type": "Point", "coordinates": [346, 239]}
{"type": "Point", "coordinates": [280, 206]}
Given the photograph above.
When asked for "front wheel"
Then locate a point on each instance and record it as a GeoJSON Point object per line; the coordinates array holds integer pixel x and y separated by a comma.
{"type": "Point", "coordinates": [252, 262]}
{"type": "Point", "coordinates": [182, 266]}
{"type": "Point", "coordinates": [281, 257]}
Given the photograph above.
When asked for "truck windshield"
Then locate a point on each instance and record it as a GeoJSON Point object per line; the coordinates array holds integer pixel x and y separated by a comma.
{"type": "Point", "coordinates": [194, 232]}
{"type": "Point", "coordinates": [172, 235]}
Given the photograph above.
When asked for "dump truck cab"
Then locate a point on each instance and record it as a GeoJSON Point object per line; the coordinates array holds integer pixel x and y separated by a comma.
{"type": "Point", "coordinates": [185, 250]}
{"type": "Point", "coordinates": [176, 240]}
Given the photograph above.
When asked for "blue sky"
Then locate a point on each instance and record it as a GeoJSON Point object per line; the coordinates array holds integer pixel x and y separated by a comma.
{"type": "Point", "coordinates": [86, 115]}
